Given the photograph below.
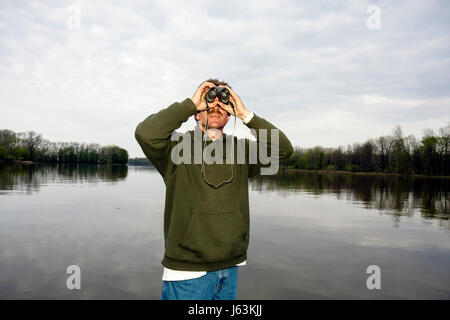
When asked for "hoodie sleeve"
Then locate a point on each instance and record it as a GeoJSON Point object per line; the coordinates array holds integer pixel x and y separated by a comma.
{"type": "Point", "coordinates": [154, 133]}
{"type": "Point", "coordinates": [285, 148]}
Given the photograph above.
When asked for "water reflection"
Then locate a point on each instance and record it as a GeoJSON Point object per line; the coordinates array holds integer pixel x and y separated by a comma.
{"type": "Point", "coordinates": [29, 178]}
{"type": "Point", "coordinates": [395, 195]}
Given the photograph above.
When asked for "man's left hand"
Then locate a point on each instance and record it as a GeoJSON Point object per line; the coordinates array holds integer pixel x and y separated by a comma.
{"type": "Point", "coordinates": [239, 108]}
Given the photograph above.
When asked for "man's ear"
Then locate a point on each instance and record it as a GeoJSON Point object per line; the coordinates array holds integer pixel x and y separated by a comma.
{"type": "Point", "coordinates": [197, 116]}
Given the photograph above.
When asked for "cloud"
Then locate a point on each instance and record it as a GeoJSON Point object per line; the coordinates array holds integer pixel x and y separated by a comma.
{"type": "Point", "coordinates": [311, 68]}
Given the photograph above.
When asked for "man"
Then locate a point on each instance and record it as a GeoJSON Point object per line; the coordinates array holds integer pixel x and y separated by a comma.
{"type": "Point", "coordinates": [206, 223]}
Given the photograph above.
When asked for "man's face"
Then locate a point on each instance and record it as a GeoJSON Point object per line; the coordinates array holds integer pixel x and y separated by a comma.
{"type": "Point", "coordinates": [218, 117]}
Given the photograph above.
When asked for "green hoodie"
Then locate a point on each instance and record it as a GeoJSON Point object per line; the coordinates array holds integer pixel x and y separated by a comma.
{"type": "Point", "coordinates": [205, 228]}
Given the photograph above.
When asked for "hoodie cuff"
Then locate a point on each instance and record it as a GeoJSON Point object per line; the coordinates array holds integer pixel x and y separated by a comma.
{"type": "Point", "coordinates": [190, 105]}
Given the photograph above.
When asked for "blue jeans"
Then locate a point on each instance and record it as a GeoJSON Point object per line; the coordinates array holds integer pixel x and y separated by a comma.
{"type": "Point", "coordinates": [214, 285]}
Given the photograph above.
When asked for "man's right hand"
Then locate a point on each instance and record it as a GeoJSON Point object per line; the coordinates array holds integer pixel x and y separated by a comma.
{"type": "Point", "coordinates": [199, 96]}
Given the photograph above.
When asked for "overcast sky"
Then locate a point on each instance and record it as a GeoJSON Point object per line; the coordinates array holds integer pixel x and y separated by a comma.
{"type": "Point", "coordinates": [325, 72]}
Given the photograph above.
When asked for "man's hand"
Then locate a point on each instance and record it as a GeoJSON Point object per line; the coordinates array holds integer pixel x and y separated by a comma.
{"type": "Point", "coordinates": [239, 108]}
{"type": "Point", "coordinates": [199, 96]}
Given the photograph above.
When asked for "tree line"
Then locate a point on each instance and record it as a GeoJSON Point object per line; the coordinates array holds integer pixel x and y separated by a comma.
{"type": "Point", "coordinates": [139, 162]}
{"type": "Point", "coordinates": [392, 153]}
{"type": "Point", "coordinates": [30, 146]}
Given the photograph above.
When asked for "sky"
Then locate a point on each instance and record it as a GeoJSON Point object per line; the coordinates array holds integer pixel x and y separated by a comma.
{"type": "Point", "coordinates": [326, 73]}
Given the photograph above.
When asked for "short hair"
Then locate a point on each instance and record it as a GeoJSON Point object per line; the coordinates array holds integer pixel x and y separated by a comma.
{"type": "Point", "coordinates": [216, 82]}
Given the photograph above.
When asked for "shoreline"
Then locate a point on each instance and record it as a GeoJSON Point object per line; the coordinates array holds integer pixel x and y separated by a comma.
{"type": "Point", "coordinates": [281, 169]}
{"type": "Point", "coordinates": [362, 173]}
{"type": "Point", "coordinates": [49, 163]}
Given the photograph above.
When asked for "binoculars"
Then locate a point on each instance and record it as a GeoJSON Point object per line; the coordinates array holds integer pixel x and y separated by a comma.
{"type": "Point", "coordinates": [221, 92]}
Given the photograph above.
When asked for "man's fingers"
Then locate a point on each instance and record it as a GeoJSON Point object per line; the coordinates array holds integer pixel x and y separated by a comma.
{"type": "Point", "coordinates": [233, 95]}
{"type": "Point", "coordinates": [234, 100]}
{"type": "Point", "coordinates": [231, 91]}
{"type": "Point", "coordinates": [204, 87]}
{"type": "Point", "coordinates": [226, 107]}
{"type": "Point", "coordinates": [207, 85]}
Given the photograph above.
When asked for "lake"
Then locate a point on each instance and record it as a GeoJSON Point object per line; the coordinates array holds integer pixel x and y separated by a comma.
{"type": "Point", "coordinates": [312, 235]}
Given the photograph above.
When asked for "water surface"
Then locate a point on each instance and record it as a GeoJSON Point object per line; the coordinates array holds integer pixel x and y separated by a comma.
{"type": "Point", "coordinates": [312, 236]}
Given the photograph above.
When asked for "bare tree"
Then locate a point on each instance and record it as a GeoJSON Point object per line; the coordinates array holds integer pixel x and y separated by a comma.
{"type": "Point", "coordinates": [397, 132]}
{"type": "Point", "coordinates": [9, 139]}
{"type": "Point", "coordinates": [32, 141]}
{"type": "Point", "coordinates": [428, 133]}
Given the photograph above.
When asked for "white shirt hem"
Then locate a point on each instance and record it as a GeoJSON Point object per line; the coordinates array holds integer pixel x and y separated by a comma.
{"type": "Point", "coordinates": [177, 275]}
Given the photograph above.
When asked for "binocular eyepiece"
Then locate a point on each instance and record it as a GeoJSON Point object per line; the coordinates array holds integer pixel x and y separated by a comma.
{"type": "Point", "coordinates": [221, 92]}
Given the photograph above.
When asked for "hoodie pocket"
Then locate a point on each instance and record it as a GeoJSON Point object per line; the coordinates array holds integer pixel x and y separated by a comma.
{"type": "Point", "coordinates": [215, 236]}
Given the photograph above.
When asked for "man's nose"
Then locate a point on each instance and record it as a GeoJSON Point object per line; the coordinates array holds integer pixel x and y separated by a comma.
{"type": "Point", "coordinates": [215, 104]}
{"type": "Point", "coordinates": [215, 109]}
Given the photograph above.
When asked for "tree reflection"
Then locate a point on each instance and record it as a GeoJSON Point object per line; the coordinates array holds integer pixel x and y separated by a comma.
{"type": "Point", "coordinates": [395, 195]}
{"type": "Point", "coordinates": [29, 178]}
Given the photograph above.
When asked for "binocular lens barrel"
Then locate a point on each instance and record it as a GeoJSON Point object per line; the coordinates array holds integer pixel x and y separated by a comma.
{"type": "Point", "coordinates": [211, 94]}
{"type": "Point", "coordinates": [221, 92]}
